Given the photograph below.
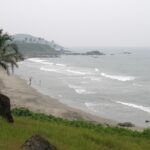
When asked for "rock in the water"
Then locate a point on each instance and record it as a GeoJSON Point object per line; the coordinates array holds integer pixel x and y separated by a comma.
{"type": "Point", "coordinates": [5, 108]}
{"type": "Point", "coordinates": [94, 53]}
{"type": "Point", "coordinates": [126, 124]}
{"type": "Point", "coordinates": [127, 53]}
{"type": "Point", "coordinates": [147, 121]}
{"type": "Point", "coordinates": [36, 142]}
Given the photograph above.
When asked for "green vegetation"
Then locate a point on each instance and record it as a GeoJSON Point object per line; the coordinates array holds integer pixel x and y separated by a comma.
{"type": "Point", "coordinates": [35, 49]}
{"type": "Point", "coordinates": [69, 135]}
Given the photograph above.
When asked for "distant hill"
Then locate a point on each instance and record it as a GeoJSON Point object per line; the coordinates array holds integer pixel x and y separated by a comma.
{"type": "Point", "coordinates": [31, 46]}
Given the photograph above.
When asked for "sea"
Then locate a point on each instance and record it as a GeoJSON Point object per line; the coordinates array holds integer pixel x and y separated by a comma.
{"type": "Point", "coordinates": [115, 86]}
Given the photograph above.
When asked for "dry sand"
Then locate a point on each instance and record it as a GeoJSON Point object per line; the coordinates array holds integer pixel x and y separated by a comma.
{"type": "Point", "coordinates": [23, 95]}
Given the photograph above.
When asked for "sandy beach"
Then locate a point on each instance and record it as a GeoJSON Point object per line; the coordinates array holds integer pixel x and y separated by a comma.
{"type": "Point", "coordinates": [23, 95]}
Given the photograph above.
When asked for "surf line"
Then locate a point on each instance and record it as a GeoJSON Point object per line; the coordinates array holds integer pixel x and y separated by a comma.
{"type": "Point", "coordinates": [143, 108]}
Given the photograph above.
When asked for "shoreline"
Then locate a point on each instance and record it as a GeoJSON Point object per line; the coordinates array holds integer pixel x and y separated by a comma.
{"type": "Point", "coordinates": [23, 95]}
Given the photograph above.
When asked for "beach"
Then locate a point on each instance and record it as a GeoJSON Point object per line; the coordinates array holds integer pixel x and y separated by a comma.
{"type": "Point", "coordinates": [109, 86]}
{"type": "Point", "coordinates": [23, 95]}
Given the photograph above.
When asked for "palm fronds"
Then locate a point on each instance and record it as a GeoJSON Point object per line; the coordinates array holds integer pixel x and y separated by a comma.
{"type": "Point", "coordinates": [9, 54]}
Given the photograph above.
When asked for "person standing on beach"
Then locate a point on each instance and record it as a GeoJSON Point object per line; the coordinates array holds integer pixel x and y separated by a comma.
{"type": "Point", "coordinates": [30, 81]}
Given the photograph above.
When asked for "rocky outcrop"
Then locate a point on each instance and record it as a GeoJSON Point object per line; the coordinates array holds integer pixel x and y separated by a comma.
{"type": "Point", "coordinates": [5, 111]}
{"type": "Point", "coordinates": [127, 53]}
{"type": "Point", "coordinates": [126, 124]}
{"type": "Point", "coordinates": [94, 53]}
{"type": "Point", "coordinates": [86, 53]}
{"type": "Point", "coordinates": [36, 142]}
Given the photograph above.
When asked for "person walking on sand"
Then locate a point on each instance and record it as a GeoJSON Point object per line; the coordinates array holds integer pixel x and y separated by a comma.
{"type": "Point", "coordinates": [30, 81]}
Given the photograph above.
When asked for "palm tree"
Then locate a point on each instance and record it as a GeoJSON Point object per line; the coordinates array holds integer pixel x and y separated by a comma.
{"type": "Point", "coordinates": [9, 54]}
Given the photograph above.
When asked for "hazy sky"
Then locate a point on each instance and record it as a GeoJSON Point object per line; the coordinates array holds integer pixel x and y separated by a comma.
{"type": "Point", "coordinates": [80, 22]}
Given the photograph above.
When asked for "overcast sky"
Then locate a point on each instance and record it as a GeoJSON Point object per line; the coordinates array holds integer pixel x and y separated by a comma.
{"type": "Point", "coordinates": [109, 23]}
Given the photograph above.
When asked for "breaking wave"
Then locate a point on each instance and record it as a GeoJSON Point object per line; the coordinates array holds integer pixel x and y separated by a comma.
{"type": "Point", "coordinates": [80, 90]}
{"type": "Point", "coordinates": [117, 77]}
{"type": "Point", "coordinates": [78, 72]}
{"type": "Point", "coordinates": [61, 65]}
{"type": "Point", "coordinates": [91, 104]}
{"type": "Point", "coordinates": [143, 108]}
{"type": "Point", "coordinates": [48, 69]}
{"type": "Point", "coordinates": [38, 60]}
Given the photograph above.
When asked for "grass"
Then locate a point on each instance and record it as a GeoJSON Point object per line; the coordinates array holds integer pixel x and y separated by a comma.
{"type": "Point", "coordinates": [69, 135]}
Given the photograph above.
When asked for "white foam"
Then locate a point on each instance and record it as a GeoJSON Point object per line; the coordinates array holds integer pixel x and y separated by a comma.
{"type": "Point", "coordinates": [92, 78]}
{"type": "Point", "coordinates": [74, 86]}
{"type": "Point", "coordinates": [96, 70]}
{"type": "Point", "coordinates": [143, 108]}
{"type": "Point", "coordinates": [95, 79]}
{"type": "Point", "coordinates": [35, 59]}
{"type": "Point", "coordinates": [62, 65]}
{"type": "Point", "coordinates": [38, 60]}
{"type": "Point", "coordinates": [78, 72]}
{"type": "Point", "coordinates": [80, 90]}
{"type": "Point", "coordinates": [83, 91]}
{"type": "Point", "coordinates": [94, 104]}
{"type": "Point", "coordinates": [48, 69]}
{"type": "Point", "coordinates": [116, 77]}
{"type": "Point", "coordinates": [90, 104]}
{"type": "Point", "coordinates": [46, 63]}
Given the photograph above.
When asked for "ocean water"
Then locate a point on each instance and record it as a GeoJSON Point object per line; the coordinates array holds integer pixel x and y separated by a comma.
{"type": "Point", "coordinates": [115, 86]}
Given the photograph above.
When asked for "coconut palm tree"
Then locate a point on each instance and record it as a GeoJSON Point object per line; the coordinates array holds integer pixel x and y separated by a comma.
{"type": "Point", "coordinates": [9, 54]}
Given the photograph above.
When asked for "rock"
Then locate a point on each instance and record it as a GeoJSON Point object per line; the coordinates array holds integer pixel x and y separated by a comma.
{"type": "Point", "coordinates": [147, 121]}
{"type": "Point", "coordinates": [94, 53]}
{"type": "Point", "coordinates": [90, 53]}
{"type": "Point", "coordinates": [36, 142]}
{"type": "Point", "coordinates": [5, 111]}
{"type": "Point", "coordinates": [127, 53]}
{"type": "Point", "coordinates": [107, 125]}
{"type": "Point", "coordinates": [126, 124]}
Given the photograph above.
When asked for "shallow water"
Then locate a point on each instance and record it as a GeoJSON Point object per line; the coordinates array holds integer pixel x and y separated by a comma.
{"type": "Point", "coordinates": [112, 86]}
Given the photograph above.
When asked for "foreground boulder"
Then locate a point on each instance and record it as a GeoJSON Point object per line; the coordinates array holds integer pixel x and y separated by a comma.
{"type": "Point", "coordinates": [126, 124]}
{"type": "Point", "coordinates": [36, 142]}
{"type": "Point", "coordinates": [5, 108]}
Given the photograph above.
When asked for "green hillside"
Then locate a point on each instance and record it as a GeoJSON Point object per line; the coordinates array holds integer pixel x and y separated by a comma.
{"type": "Point", "coordinates": [69, 135]}
{"type": "Point", "coordinates": [36, 49]}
